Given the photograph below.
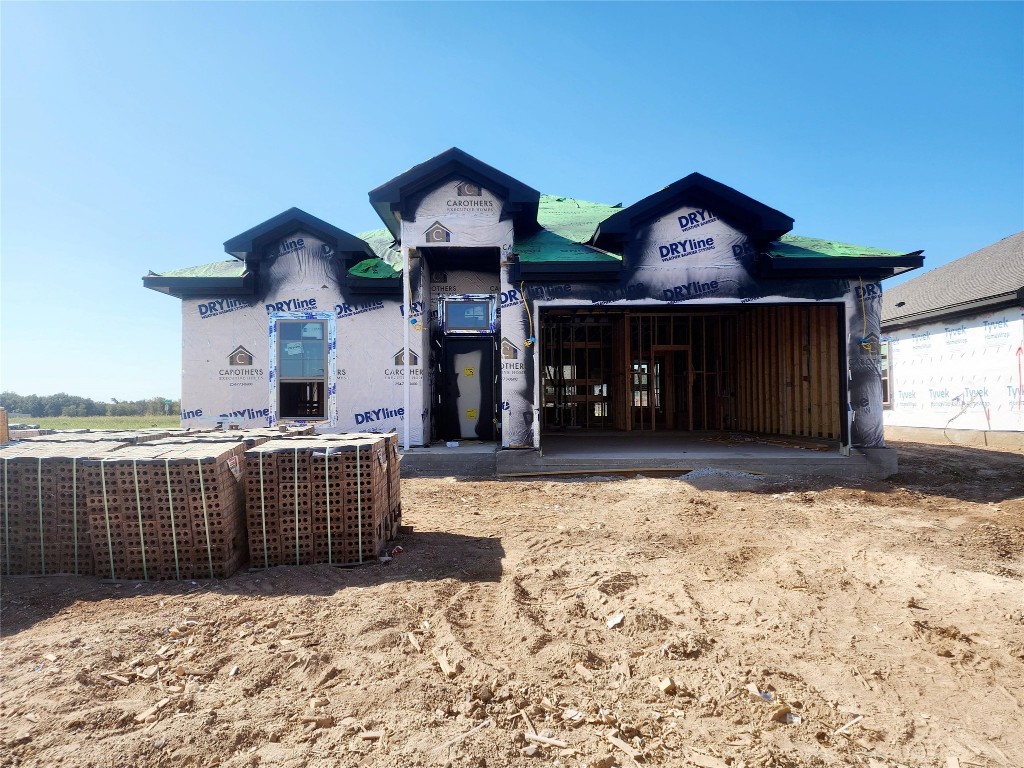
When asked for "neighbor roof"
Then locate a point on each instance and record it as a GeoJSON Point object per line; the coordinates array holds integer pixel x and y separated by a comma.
{"type": "Point", "coordinates": [986, 279]}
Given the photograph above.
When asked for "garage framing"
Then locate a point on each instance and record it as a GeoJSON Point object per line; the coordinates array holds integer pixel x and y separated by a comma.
{"type": "Point", "coordinates": [766, 369]}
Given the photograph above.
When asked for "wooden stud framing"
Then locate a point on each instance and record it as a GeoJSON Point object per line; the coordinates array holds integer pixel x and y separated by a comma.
{"type": "Point", "coordinates": [771, 369]}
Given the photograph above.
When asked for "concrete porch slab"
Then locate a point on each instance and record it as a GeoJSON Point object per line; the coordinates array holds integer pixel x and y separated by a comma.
{"type": "Point", "coordinates": [469, 459]}
{"type": "Point", "coordinates": [563, 454]}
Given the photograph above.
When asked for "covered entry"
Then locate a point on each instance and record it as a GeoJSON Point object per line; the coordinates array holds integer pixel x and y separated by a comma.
{"type": "Point", "coordinates": [768, 369]}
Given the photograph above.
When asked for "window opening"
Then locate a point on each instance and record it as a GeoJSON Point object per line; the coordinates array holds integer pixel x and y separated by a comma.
{"type": "Point", "coordinates": [577, 369]}
{"type": "Point", "coordinates": [302, 369]}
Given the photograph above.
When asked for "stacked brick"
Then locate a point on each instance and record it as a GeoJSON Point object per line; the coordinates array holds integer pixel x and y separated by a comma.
{"type": "Point", "coordinates": [167, 510]}
{"type": "Point", "coordinates": [45, 525]}
{"type": "Point", "coordinates": [323, 499]}
{"type": "Point", "coordinates": [175, 505]}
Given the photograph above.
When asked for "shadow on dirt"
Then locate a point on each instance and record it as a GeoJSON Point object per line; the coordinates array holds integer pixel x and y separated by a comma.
{"type": "Point", "coordinates": [969, 474]}
{"type": "Point", "coordinates": [952, 471]}
{"type": "Point", "coordinates": [955, 472]}
{"type": "Point", "coordinates": [425, 556]}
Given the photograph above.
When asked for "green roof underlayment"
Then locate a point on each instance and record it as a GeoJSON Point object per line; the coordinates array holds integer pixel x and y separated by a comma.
{"type": "Point", "coordinates": [799, 247]}
{"type": "Point", "coordinates": [222, 278]}
{"type": "Point", "coordinates": [560, 246]}
{"type": "Point", "coordinates": [797, 256]}
{"type": "Point", "coordinates": [566, 225]}
{"type": "Point", "coordinates": [230, 268]}
{"type": "Point", "coordinates": [388, 263]}
{"type": "Point", "coordinates": [374, 269]}
{"type": "Point", "coordinates": [382, 242]}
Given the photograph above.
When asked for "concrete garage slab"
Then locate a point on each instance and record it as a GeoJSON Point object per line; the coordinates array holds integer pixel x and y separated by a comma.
{"type": "Point", "coordinates": [668, 453]}
{"type": "Point", "coordinates": [675, 453]}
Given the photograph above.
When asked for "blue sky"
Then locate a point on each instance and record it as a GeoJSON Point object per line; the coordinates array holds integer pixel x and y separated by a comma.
{"type": "Point", "coordinates": [140, 136]}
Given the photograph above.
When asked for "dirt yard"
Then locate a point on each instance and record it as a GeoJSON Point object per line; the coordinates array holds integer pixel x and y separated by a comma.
{"type": "Point", "coordinates": [707, 621]}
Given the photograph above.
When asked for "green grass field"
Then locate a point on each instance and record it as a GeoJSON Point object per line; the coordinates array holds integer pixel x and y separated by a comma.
{"type": "Point", "coordinates": [105, 422]}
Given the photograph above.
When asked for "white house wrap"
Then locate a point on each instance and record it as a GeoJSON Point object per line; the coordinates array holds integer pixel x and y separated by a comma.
{"type": "Point", "coordinates": [954, 339]}
{"type": "Point", "coordinates": [692, 310]}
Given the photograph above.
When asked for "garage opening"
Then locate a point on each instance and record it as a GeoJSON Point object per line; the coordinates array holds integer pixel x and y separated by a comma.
{"type": "Point", "coordinates": [766, 369]}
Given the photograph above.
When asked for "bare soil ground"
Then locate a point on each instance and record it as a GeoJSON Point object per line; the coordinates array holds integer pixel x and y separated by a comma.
{"type": "Point", "coordinates": [709, 621]}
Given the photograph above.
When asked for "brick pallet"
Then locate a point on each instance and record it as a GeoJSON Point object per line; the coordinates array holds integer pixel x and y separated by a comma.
{"type": "Point", "coordinates": [394, 516]}
{"type": "Point", "coordinates": [45, 525]}
{"type": "Point", "coordinates": [167, 511]}
{"type": "Point", "coordinates": [173, 505]}
{"type": "Point", "coordinates": [322, 499]}
{"type": "Point", "coordinates": [53, 518]}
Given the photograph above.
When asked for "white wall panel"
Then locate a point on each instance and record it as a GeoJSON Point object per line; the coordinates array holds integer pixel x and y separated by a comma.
{"type": "Point", "coordinates": [964, 373]}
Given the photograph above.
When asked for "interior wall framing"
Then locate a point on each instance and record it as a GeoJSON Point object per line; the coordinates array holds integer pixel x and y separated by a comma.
{"type": "Point", "coordinates": [768, 369]}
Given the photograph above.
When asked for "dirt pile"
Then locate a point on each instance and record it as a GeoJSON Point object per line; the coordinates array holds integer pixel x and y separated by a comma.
{"type": "Point", "coordinates": [745, 622]}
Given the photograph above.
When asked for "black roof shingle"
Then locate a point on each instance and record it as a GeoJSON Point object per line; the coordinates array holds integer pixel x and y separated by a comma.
{"type": "Point", "coordinates": [988, 278]}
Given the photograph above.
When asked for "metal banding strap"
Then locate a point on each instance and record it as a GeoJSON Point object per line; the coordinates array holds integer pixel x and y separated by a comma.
{"type": "Point", "coordinates": [74, 505]}
{"type": "Point", "coordinates": [295, 490]}
{"type": "Point", "coordinates": [263, 515]}
{"type": "Point", "coordinates": [7, 522]}
{"type": "Point", "coordinates": [359, 503]}
{"type": "Point", "coordinates": [106, 512]}
{"type": "Point", "coordinates": [39, 492]}
{"type": "Point", "coordinates": [170, 508]}
{"type": "Point", "coordinates": [138, 508]}
{"type": "Point", "coordinates": [206, 517]}
{"type": "Point", "coordinates": [327, 491]}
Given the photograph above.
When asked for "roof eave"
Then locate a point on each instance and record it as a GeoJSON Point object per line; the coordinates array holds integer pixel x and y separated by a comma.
{"type": "Point", "coordinates": [875, 267]}
{"type": "Point", "coordinates": [989, 303]}
{"type": "Point", "coordinates": [567, 270]}
{"type": "Point", "coordinates": [381, 286]}
{"type": "Point", "coordinates": [198, 287]}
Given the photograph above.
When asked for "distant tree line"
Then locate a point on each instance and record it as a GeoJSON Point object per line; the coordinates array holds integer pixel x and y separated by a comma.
{"type": "Point", "coordinates": [63, 404]}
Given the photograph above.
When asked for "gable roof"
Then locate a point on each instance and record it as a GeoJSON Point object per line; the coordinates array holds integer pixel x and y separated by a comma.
{"type": "Point", "coordinates": [986, 279]}
{"type": "Point", "coordinates": [251, 243]}
{"type": "Point", "coordinates": [388, 199]}
{"type": "Point", "coordinates": [757, 220]}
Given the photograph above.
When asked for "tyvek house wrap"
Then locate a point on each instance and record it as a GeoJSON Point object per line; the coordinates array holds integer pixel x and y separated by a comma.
{"type": "Point", "coordinates": [688, 256]}
{"type": "Point", "coordinates": [964, 373]}
{"type": "Point", "coordinates": [229, 357]}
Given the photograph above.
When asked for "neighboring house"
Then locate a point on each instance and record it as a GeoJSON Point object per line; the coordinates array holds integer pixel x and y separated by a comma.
{"type": "Point", "coordinates": [692, 310]}
{"type": "Point", "coordinates": [953, 338]}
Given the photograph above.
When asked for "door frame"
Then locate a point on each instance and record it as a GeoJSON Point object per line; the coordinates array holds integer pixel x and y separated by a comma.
{"type": "Point", "coordinates": [666, 380]}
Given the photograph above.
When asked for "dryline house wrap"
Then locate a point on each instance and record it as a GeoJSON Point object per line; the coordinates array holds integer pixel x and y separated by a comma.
{"type": "Point", "coordinates": [487, 311]}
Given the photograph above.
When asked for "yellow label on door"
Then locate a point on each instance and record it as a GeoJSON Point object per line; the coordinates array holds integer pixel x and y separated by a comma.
{"type": "Point", "coordinates": [468, 372]}
{"type": "Point", "coordinates": [471, 413]}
